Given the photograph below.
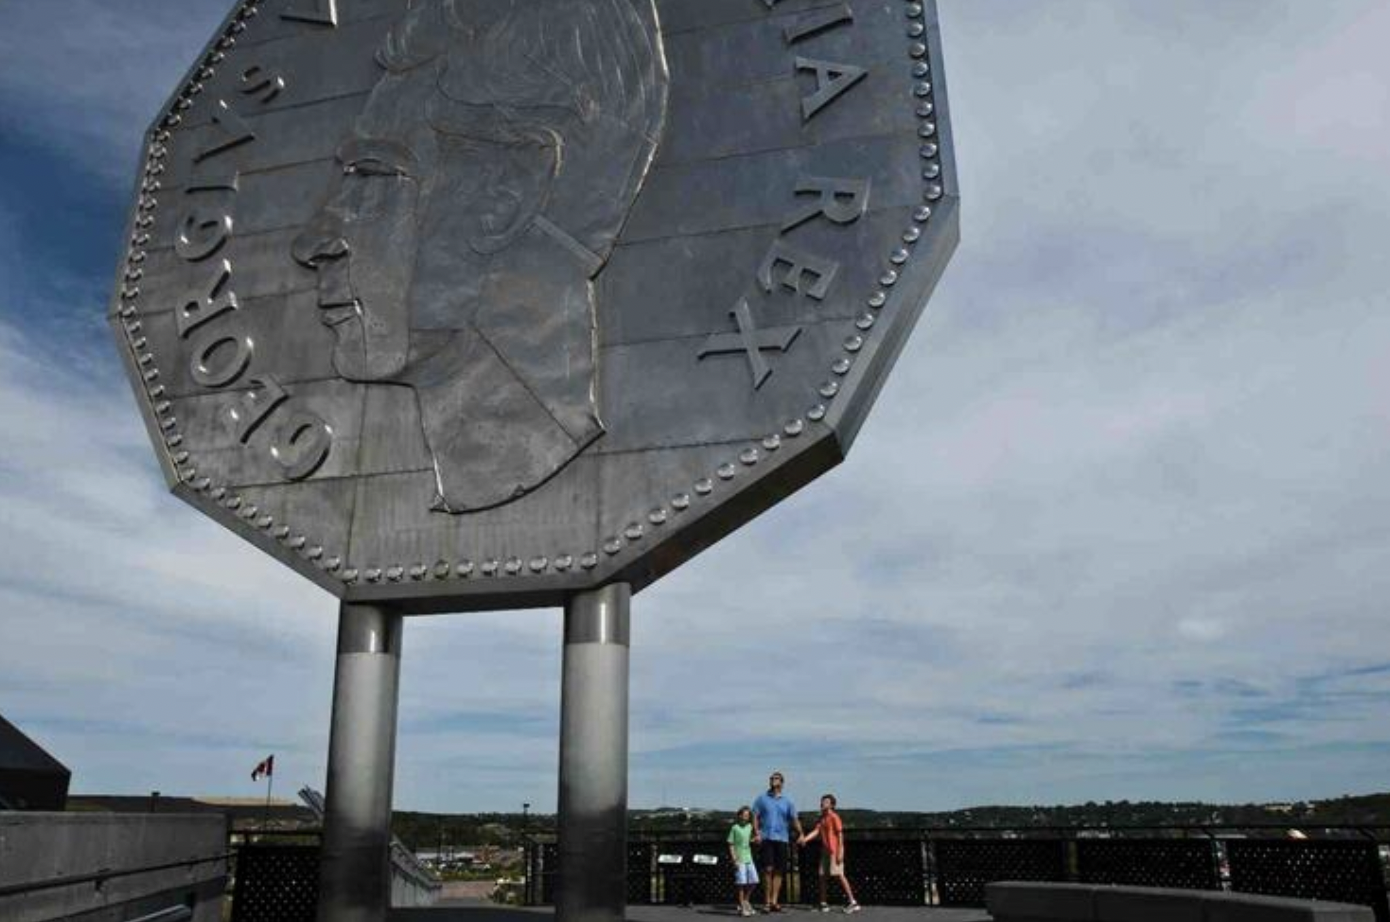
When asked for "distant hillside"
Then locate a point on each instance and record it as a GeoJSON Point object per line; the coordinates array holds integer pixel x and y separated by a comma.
{"type": "Point", "coordinates": [428, 830]}
{"type": "Point", "coordinates": [1370, 809]}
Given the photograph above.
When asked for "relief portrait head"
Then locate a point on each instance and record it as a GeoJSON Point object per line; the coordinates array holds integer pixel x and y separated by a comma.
{"type": "Point", "coordinates": [481, 191]}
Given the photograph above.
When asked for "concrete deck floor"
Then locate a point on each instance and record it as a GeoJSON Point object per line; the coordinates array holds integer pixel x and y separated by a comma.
{"type": "Point", "coordinates": [480, 911]}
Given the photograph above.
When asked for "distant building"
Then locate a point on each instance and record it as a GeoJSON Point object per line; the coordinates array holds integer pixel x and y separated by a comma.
{"type": "Point", "coordinates": [30, 778]}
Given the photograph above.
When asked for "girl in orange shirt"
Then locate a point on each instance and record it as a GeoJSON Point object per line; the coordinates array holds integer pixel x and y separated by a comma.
{"type": "Point", "coordinates": [832, 852]}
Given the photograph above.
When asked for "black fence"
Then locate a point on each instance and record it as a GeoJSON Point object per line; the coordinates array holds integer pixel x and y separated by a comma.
{"type": "Point", "coordinates": [1184, 864]}
{"type": "Point", "coordinates": [276, 878]}
{"type": "Point", "coordinates": [887, 872]}
{"type": "Point", "coordinates": [962, 867]}
{"type": "Point", "coordinates": [952, 867]}
{"type": "Point", "coordinates": [543, 859]}
{"type": "Point", "coordinates": [1343, 872]}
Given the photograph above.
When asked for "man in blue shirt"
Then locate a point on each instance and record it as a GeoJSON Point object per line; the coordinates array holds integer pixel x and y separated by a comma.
{"type": "Point", "coordinates": [774, 817]}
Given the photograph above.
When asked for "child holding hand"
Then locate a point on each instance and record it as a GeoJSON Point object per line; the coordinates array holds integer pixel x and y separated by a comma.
{"type": "Point", "coordinates": [741, 854]}
{"type": "Point", "coordinates": [832, 852]}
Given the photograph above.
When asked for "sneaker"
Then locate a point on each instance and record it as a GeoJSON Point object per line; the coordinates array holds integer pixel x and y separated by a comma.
{"type": "Point", "coordinates": [852, 908]}
{"type": "Point", "coordinates": [824, 907]}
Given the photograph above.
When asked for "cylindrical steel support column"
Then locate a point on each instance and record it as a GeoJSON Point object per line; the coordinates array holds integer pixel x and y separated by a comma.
{"type": "Point", "coordinates": [355, 874]}
{"type": "Point", "coordinates": [592, 884]}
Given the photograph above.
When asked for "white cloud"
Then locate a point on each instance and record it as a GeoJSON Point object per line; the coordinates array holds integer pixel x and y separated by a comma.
{"type": "Point", "coordinates": [1118, 525]}
{"type": "Point", "coordinates": [1203, 629]}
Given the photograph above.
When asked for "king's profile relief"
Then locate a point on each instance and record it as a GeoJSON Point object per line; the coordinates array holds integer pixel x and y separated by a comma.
{"type": "Point", "coordinates": [482, 189]}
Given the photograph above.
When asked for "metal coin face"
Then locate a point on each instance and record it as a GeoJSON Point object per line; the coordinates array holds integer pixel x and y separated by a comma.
{"type": "Point", "coordinates": [464, 304]}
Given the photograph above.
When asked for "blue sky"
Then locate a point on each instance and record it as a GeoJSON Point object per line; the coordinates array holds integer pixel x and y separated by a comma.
{"type": "Point", "coordinates": [1119, 526]}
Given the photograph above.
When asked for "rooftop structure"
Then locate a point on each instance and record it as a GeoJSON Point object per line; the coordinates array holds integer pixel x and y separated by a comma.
{"type": "Point", "coordinates": [30, 778]}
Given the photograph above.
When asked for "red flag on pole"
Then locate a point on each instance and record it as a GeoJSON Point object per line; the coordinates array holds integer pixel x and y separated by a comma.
{"type": "Point", "coordinates": [266, 768]}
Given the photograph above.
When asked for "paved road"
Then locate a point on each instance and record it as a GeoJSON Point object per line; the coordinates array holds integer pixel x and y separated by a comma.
{"type": "Point", "coordinates": [478, 911]}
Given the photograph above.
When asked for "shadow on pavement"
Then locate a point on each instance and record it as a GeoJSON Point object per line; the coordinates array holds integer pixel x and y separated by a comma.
{"type": "Point", "coordinates": [471, 911]}
{"type": "Point", "coordinates": [480, 911]}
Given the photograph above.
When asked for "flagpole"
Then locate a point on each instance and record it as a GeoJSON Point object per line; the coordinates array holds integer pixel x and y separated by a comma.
{"type": "Point", "coordinates": [269, 786]}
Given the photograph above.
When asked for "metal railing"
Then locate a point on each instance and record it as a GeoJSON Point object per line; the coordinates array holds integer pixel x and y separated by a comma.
{"type": "Point", "coordinates": [275, 876]}
{"type": "Point", "coordinates": [172, 914]}
{"type": "Point", "coordinates": [949, 866]}
{"type": "Point", "coordinates": [101, 876]}
{"type": "Point", "coordinates": [412, 884]}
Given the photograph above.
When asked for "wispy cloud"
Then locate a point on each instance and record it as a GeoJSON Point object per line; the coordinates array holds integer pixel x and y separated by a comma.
{"type": "Point", "coordinates": [1118, 528]}
{"type": "Point", "coordinates": [86, 77]}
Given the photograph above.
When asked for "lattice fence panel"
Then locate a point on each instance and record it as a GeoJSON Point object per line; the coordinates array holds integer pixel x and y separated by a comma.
{"type": "Point", "coordinates": [543, 864]}
{"type": "Point", "coordinates": [532, 891]}
{"type": "Point", "coordinates": [1342, 872]}
{"type": "Point", "coordinates": [883, 872]}
{"type": "Point", "coordinates": [547, 866]}
{"type": "Point", "coordinates": [276, 883]}
{"type": "Point", "coordinates": [691, 882]}
{"type": "Point", "coordinates": [640, 858]}
{"type": "Point", "coordinates": [964, 866]}
{"type": "Point", "coordinates": [1188, 864]}
{"type": "Point", "coordinates": [808, 873]}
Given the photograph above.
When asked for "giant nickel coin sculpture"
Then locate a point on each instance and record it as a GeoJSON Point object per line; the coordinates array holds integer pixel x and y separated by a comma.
{"type": "Point", "coordinates": [467, 304]}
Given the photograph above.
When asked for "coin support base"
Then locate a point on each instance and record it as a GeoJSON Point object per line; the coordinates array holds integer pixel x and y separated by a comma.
{"type": "Point", "coordinates": [593, 757]}
{"type": "Point", "coordinates": [355, 875]}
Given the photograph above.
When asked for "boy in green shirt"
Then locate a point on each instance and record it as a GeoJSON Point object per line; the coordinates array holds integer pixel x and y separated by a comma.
{"type": "Point", "coordinates": [741, 854]}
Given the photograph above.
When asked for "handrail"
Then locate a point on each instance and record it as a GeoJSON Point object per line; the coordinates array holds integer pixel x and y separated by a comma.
{"type": "Point", "coordinates": [172, 914]}
{"type": "Point", "coordinates": [1214, 840]}
{"type": "Point", "coordinates": [308, 832]}
{"type": "Point", "coordinates": [403, 861]}
{"type": "Point", "coordinates": [1209, 829]}
{"type": "Point", "coordinates": [402, 858]}
{"type": "Point", "coordinates": [104, 874]}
